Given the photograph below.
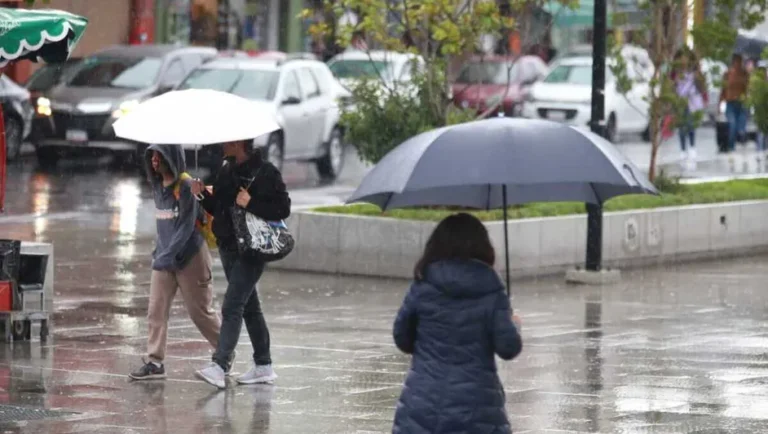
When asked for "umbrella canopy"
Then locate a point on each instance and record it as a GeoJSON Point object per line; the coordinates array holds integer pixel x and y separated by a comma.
{"type": "Point", "coordinates": [472, 164]}
{"type": "Point", "coordinates": [195, 117]}
{"type": "Point", "coordinates": [32, 34]}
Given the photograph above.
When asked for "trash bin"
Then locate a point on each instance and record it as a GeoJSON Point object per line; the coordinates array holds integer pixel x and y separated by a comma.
{"type": "Point", "coordinates": [22, 283]}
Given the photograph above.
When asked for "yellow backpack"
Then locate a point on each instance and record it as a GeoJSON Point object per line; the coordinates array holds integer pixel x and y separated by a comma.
{"type": "Point", "coordinates": [204, 223]}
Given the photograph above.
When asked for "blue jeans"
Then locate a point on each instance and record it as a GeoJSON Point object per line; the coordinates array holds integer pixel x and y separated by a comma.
{"type": "Point", "coordinates": [736, 114]}
{"type": "Point", "coordinates": [241, 302]}
{"type": "Point", "coordinates": [687, 130]}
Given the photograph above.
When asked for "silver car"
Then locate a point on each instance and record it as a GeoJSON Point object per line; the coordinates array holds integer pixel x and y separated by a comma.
{"type": "Point", "coordinates": [302, 93]}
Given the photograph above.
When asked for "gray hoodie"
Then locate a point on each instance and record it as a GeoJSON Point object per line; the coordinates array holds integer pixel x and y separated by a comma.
{"type": "Point", "coordinates": [177, 238]}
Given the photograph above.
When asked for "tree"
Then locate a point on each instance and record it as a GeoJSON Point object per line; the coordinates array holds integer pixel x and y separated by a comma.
{"type": "Point", "coordinates": [662, 37]}
{"type": "Point", "coordinates": [443, 33]}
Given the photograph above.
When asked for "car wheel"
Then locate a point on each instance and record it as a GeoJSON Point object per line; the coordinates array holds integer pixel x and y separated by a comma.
{"type": "Point", "coordinates": [13, 138]}
{"type": "Point", "coordinates": [48, 157]}
{"type": "Point", "coordinates": [274, 151]}
{"type": "Point", "coordinates": [329, 165]}
{"type": "Point", "coordinates": [611, 132]}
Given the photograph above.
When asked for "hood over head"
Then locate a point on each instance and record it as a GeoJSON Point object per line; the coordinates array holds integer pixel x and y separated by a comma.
{"type": "Point", "coordinates": [173, 156]}
{"type": "Point", "coordinates": [461, 278]}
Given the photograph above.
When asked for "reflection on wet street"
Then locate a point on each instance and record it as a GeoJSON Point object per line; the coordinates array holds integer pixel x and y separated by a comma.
{"type": "Point", "coordinates": [678, 350]}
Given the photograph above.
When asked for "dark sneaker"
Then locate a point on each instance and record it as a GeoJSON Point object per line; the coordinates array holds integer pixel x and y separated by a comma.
{"type": "Point", "coordinates": [149, 371]}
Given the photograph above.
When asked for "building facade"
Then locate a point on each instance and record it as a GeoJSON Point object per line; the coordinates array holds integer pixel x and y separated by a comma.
{"type": "Point", "coordinates": [232, 24]}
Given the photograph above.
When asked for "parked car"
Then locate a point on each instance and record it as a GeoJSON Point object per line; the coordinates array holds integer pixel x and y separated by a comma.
{"type": "Point", "coordinates": [17, 113]}
{"type": "Point", "coordinates": [303, 95]}
{"type": "Point", "coordinates": [565, 95]}
{"type": "Point", "coordinates": [483, 81]}
{"type": "Point", "coordinates": [78, 114]}
{"type": "Point", "coordinates": [50, 75]}
{"type": "Point", "coordinates": [393, 69]}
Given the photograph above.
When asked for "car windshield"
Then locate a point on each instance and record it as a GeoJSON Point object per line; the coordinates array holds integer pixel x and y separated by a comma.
{"type": "Point", "coordinates": [49, 76]}
{"type": "Point", "coordinates": [571, 74]}
{"type": "Point", "coordinates": [128, 73]}
{"type": "Point", "coordinates": [363, 68]}
{"type": "Point", "coordinates": [253, 84]}
{"type": "Point", "coordinates": [489, 73]}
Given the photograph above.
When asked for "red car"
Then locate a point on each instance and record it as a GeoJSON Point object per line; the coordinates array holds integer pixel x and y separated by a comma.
{"type": "Point", "coordinates": [484, 80]}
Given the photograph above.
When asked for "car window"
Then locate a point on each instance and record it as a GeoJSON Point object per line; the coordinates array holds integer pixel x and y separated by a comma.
{"type": "Point", "coordinates": [489, 72]}
{"type": "Point", "coordinates": [324, 78]}
{"type": "Point", "coordinates": [253, 84]}
{"type": "Point", "coordinates": [363, 68]}
{"type": "Point", "coordinates": [290, 87]}
{"type": "Point", "coordinates": [308, 83]}
{"type": "Point", "coordinates": [115, 72]}
{"type": "Point", "coordinates": [175, 73]}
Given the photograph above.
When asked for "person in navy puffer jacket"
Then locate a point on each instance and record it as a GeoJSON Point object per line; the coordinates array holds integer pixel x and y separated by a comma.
{"type": "Point", "coordinates": [454, 318]}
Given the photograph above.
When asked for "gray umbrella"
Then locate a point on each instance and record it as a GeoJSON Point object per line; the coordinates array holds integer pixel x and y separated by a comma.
{"type": "Point", "coordinates": [492, 163]}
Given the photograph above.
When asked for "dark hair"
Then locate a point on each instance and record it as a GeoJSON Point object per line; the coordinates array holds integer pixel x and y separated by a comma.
{"type": "Point", "coordinates": [737, 58]}
{"type": "Point", "coordinates": [459, 236]}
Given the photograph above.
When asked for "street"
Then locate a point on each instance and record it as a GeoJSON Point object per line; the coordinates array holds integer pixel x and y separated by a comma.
{"type": "Point", "coordinates": [83, 188]}
{"type": "Point", "coordinates": [681, 349]}
{"type": "Point", "coordinates": [666, 351]}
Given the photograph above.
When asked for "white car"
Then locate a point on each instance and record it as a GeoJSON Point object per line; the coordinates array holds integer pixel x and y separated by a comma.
{"type": "Point", "coordinates": [565, 95]}
{"type": "Point", "coordinates": [304, 96]}
{"type": "Point", "coordinates": [395, 70]}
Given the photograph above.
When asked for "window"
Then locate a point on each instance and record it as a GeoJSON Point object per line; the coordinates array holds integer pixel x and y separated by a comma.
{"type": "Point", "coordinates": [116, 72]}
{"type": "Point", "coordinates": [491, 72]}
{"type": "Point", "coordinates": [174, 73]}
{"type": "Point", "coordinates": [253, 84]}
{"type": "Point", "coordinates": [364, 68]}
{"type": "Point", "coordinates": [291, 87]}
{"type": "Point", "coordinates": [308, 83]}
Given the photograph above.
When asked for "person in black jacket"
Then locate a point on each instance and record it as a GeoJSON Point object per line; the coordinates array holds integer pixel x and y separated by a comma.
{"type": "Point", "coordinates": [454, 318]}
{"type": "Point", "coordinates": [244, 180]}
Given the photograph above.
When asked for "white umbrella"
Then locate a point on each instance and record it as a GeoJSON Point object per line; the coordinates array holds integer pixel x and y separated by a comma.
{"type": "Point", "coordinates": [196, 117]}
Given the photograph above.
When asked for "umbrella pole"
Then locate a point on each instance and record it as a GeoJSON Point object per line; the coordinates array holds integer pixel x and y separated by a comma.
{"type": "Point", "coordinates": [506, 235]}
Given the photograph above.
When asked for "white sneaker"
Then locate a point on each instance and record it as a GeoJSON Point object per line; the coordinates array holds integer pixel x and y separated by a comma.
{"type": "Point", "coordinates": [213, 374]}
{"type": "Point", "coordinates": [258, 374]}
{"type": "Point", "coordinates": [692, 154]}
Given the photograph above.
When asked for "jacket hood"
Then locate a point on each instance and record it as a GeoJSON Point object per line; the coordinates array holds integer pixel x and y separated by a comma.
{"type": "Point", "coordinates": [463, 278]}
{"type": "Point", "coordinates": [173, 155]}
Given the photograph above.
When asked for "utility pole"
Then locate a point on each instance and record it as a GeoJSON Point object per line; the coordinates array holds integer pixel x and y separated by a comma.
{"type": "Point", "coordinates": [597, 125]}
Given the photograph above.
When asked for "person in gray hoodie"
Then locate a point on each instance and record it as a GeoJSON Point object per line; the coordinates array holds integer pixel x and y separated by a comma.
{"type": "Point", "coordinates": [181, 259]}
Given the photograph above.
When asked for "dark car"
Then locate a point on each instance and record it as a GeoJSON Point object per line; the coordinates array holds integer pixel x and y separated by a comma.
{"type": "Point", "coordinates": [77, 115]}
{"type": "Point", "coordinates": [48, 76]}
{"type": "Point", "coordinates": [483, 81]}
{"type": "Point", "coordinates": [17, 113]}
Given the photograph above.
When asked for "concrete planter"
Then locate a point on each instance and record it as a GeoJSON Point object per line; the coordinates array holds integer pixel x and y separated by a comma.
{"type": "Point", "coordinates": [373, 246]}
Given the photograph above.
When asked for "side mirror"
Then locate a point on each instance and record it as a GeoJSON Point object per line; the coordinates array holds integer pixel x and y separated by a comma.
{"type": "Point", "coordinates": [291, 100]}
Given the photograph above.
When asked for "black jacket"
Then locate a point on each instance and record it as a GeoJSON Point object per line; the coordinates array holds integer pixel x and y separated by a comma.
{"type": "Point", "coordinates": [453, 322]}
{"type": "Point", "coordinates": [269, 197]}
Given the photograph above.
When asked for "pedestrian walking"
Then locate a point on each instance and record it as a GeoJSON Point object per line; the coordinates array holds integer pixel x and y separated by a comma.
{"type": "Point", "coordinates": [454, 318]}
{"type": "Point", "coordinates": [181, 259]}
{"type": "Point", "coordinates": [244, 180]}
{"type": "Point", "coordinates": [690, 86]}
{"type": "Point", "coordinates": [734, 92]}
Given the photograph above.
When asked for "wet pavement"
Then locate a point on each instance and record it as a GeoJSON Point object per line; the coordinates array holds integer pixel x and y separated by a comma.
{"type": "Point", "coordinates": [678, 350]}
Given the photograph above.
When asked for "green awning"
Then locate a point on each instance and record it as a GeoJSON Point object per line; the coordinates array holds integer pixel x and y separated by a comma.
{"type": "Point", "coordinates": [567, 16]}
{"type": "Point", "coordinates": [45, 33]}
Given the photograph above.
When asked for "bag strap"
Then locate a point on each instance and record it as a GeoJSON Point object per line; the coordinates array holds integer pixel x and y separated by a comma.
{"type": "Point", "coordinates": [183, 177]}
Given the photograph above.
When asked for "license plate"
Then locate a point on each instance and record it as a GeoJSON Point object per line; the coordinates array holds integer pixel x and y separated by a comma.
{"type": "Point", "coordinates": [556, 115]}
{"type": "Point", "coordinates": [77, 136]}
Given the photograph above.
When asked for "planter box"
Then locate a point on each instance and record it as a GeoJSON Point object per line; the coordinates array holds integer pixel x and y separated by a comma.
{"type": "Point", "coordinates": [386, 247]}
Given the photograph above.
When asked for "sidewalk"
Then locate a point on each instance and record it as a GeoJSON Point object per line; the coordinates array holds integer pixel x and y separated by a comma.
{"type": "Point", "coordinates": [667, 350]}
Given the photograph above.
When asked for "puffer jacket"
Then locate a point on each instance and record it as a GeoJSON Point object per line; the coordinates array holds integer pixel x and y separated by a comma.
{"type": "Point", "coordinates": [453, 321]}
